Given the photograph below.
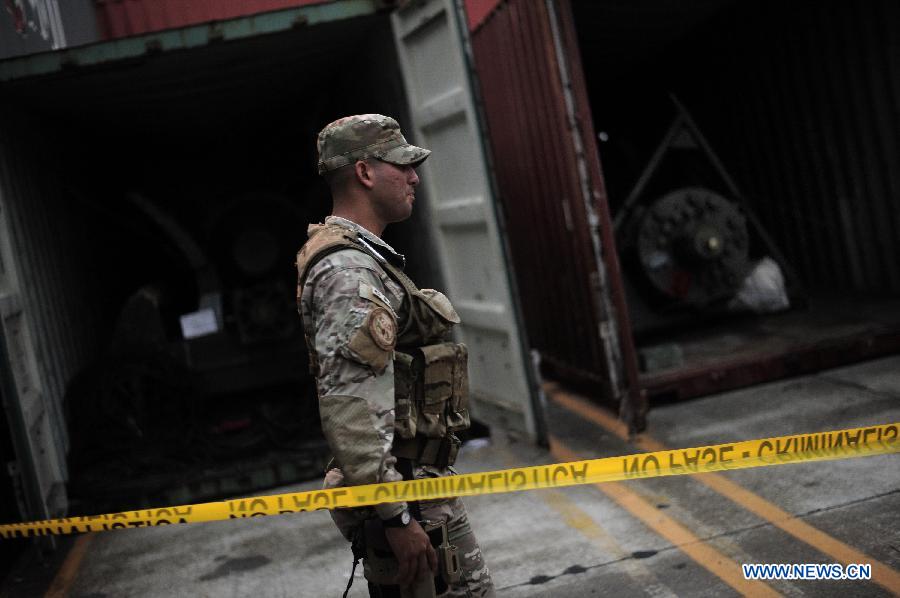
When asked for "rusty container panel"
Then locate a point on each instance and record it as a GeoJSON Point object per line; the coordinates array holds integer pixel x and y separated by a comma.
{"type": "Point", "coordinates": [123, 18]}
{"type": "Point", "coordinates": [477, 11]}
{"type": "Point", "coordinates": [540, 189]}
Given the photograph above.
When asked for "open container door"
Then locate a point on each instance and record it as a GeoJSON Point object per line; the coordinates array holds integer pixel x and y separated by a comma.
{"type": "Point", "coordinates": [633, 405]}
{"type": "Point", "coordinates": [550, 181]}
{"type": "Point", "coordinates": [463, 214]}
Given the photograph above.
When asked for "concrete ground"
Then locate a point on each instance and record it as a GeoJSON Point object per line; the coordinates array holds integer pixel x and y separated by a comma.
{"type": "Point", "coordinates": [677, 536]}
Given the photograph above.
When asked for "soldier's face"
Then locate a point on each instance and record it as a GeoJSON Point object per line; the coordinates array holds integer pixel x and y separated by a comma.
{"type": "Point", "coordinates": [394, 190]}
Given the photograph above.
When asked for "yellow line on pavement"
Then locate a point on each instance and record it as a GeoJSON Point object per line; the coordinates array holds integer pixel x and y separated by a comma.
{"type": "Point", "coordinates": [682, 538]}
{"type": "Point", "coordinates": [67, 573]}
{"type": "Point", "coordinates": [841, 552]}
{"type": "Point", "coordinates": [579, 520]}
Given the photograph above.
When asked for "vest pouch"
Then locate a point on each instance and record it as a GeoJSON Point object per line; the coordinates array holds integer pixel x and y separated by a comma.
{"type": "Point", "coordinates": [445, 396]}
{"type": "Point", "coordinates": [407, 377]}
{"type": "Point", "coordinates": [433, 314]}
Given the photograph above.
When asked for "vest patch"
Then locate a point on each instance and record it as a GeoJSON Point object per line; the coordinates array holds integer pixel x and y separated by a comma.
{"type": "Point", "coordinates": [382, 328]}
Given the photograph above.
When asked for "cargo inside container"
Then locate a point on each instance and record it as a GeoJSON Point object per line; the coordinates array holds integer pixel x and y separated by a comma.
{"type": "Point", "coordinates": [186, 179]}
{"type": "Point", "coordinates": [798, 102]}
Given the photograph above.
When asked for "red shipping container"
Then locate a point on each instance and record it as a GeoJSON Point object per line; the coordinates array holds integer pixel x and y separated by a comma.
{"type": "Point", "coordinates": [123, 18]}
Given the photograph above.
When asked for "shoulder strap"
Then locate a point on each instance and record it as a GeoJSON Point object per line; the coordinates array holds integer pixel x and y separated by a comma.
{"type": "Point", "coordinates": [323, 240]}
{"type": "Point", "coordinates": [400, 276]}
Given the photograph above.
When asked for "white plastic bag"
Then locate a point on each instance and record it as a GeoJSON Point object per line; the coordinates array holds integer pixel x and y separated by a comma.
{"type": "Point", "coordinates": [763, 290]}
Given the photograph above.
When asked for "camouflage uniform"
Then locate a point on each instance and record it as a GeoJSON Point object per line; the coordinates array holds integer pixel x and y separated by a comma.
{"type": "Point", "coordinates": [341, 295]}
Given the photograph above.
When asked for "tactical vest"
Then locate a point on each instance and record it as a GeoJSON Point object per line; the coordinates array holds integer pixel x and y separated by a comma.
{"type": "Point", "coordinates": [431, 383]}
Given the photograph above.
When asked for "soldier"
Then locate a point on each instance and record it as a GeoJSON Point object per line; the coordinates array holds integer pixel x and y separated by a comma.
{"type": "Point", "coordinates": [392, 388]}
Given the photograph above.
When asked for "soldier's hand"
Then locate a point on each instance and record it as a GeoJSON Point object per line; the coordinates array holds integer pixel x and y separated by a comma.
{"type": "Point", "coordinates": [413, 550]}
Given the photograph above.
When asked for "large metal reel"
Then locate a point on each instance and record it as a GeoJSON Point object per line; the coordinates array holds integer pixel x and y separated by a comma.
{"type": "Point", "coordinates": [692, 245]}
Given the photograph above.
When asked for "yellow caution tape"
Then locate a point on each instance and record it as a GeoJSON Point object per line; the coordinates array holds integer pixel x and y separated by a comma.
{"type": "Point", "coordinates": [822, 446]}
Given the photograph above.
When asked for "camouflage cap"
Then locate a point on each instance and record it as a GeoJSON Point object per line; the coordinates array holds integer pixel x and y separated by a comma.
{"type": "Point", "coordinates": [361, 136]}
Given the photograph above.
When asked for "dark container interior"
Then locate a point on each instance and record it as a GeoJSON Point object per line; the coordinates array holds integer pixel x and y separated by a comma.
{"type": "Point", "coordinates": [799, 103]}
{"type": "Point", "coordinates": [190, 177]}
{"type": "Point", "coordinates": [787, 112]}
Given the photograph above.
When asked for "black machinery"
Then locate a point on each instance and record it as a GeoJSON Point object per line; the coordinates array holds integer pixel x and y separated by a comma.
{"type": "Point", "coordinates": [686, 236]}
{"type": "Point", "coordinates": [692, 245]}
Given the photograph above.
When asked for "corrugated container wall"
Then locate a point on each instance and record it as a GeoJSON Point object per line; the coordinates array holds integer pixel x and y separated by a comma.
{"type": "Point", "coordinates": [47, 242]}
{"type": "Point", "coordinates": [536, 168]}
{"type": "Point", "coordinates": [122, 18]}
{"type": "Point", "coordinates": [808, 120]}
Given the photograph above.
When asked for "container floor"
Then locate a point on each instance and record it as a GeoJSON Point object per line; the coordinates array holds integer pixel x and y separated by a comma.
{"type": "Point", "coordinates": [832, 330]}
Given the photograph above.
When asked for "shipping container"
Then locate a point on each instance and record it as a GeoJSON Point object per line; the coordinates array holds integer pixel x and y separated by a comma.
{"type": "Point", "coordinates": [743, 226]}
{"type": "Point", "coordinates": [125, 18]}
{"type": "Point", "coordinates": [154, 189]}
{"type": "Point", "coordinates": [605, 184]}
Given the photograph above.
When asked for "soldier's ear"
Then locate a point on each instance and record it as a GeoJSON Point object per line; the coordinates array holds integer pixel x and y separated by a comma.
{"type": "Point", "coordinates": [365, 173]}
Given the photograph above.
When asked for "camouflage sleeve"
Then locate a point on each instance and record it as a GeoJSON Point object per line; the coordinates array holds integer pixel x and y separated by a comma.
{"type": "Point", "coordinates": [354, 343]}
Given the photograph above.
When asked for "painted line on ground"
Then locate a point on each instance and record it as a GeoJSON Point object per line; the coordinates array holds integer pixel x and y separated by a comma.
{"type": "Point", "coordinates": [68, 572]}
{"type": "Point", "coordinates": [681, 537]}
{"type": "Point", "coordinates": [582, 522]}
{"type": "Point", "coordinates": [840, 551]}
